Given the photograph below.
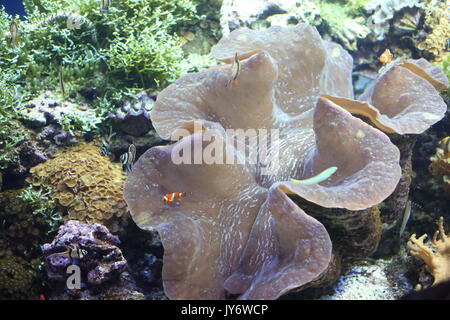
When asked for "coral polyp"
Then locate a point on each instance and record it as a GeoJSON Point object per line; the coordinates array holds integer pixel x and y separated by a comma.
{"type": "Point", "coordinates": [86, 184]}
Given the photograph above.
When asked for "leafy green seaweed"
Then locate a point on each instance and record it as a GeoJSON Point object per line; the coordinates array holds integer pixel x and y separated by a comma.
{"type": "Point", "coordinates": [42, 205]}
{"type": "Point", "coordinates": [131, 47]}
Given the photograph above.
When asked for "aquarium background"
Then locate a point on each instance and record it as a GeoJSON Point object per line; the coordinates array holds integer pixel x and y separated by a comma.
{"type": "Point", "coordinates": [13, 7]}
{"type": "Point", "coordinates": [91, 90]}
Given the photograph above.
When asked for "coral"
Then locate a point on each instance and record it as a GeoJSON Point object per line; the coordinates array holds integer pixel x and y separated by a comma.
{"type": "Point", "coordinates": [437, 20]}
{"type": "Point", "coordinates": [17, 279]}
{"type": "Point", "coordinates": [446, 65]}
{"type": "Point", "coordinates": [382, 13]}
{"type": "Point", "coordinates": [72, 117]}
{"type": "Point", "coordinates": [407, 21]}
{"type": "Point", "coordinates": [101, 262]}
{"type": "Point", "coordinates": [11, 134]}
{"type": "Point", "coordinates": [86, 184]}
{"type": "Point", "coordinates": [26, 217]}
{"type": "Point", "coordinates": [343, 23]}
{"type": "Point", "coordinates": [20, 149]}
{"type": "Point", "coordinates": [242, 13]}
{"type": "Point", "coordinates": [58, 45]}
{"type": "Point", "coordinates": [131, 47]}
{"type": "Point", "coordinates": [294, 17]}
{"type": "Point", "coordinates": [440, 168]}
{"type": "Point", "coordinates": [393, 209]}
{"type": "Point", "coordinates": [436, 257]}
{"type": "Point", "coordinates": [251, 229]}
{"type": "Point", "coordinates": [132, 115]}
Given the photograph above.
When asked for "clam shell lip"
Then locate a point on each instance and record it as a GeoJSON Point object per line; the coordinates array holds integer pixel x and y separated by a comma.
{"type": "Point", "coordinates": [394, 105]}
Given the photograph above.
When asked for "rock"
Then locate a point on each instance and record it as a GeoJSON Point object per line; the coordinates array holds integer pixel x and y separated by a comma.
{"type": "Point", "coordinates": [91, 247]}
{"type": "Point", "coordinates": [243, 13]}
{"type": "Point", "coordinates": [47, 108]}
{"type": "Point", "coordinates": [132, 116]}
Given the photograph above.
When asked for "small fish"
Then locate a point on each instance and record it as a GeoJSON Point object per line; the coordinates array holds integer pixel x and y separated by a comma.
{"type": "Point", "coordinates": [170, 197]}
{"type": "Point", "coordinates": [386, 57]}
{"type": "Point", "coordinates": [127, 158]}
{"type": "Point", "coordinates": [406, 216]}
{"type": "Point", "coordinates": [104, 151]}
{"type": "Point", "coordinates": [104, 7]}
{"type": "Point", "coordinates": [444, 144]}
{"type": "Point", "coordinates": [14, 30]}
{"type": "Point", "coordinates": [74, 252]}
{"type": "Point", "coordinates": [235, 70]}
{"type": "Point", "coordinates": [77, 253]}
{"type": "Point", "coordinates": [61, 82]}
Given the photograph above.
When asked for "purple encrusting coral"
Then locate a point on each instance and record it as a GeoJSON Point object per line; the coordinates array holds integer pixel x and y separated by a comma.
{"type": "Point", "coordinates": [92, 247]}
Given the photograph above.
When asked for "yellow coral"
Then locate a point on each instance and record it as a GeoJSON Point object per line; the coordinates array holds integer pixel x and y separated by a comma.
{"type": "Point", "coordinates": [86, 184]}
{"type": "Point", "coordinates": [436, 18]}
{"type": "Point", "coordinates": [437, 258]}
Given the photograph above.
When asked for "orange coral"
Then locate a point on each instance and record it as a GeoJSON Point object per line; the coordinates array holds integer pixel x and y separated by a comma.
{"type": "Point", "coordinates": [86, 184]}
{"type": "Point", "coordinates": [436, 257]}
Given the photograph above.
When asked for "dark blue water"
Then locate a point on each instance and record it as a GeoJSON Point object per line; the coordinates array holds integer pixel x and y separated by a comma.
{"type": "Point", "coordinates": [13, 6]}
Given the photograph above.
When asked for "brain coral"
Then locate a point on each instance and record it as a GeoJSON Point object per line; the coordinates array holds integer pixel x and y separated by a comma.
{"type": "Point", "coordinates": [86, 184]}
{"type": "Point", "coordinates": [237, 231]}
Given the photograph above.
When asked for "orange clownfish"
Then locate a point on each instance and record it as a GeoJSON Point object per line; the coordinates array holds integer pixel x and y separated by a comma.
{"type": "Point", "coordinates": [170, 197]}
{"type": "Point", "coordinates": [386, 56]}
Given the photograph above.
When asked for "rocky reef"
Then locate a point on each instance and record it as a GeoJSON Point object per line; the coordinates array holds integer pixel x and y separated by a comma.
{"type": "Point", "coordinates": [101, 262]}
{"type": "Point", "coordinates": [93, 249]}
{"type": "Point", "coordinates": [278, 155]}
